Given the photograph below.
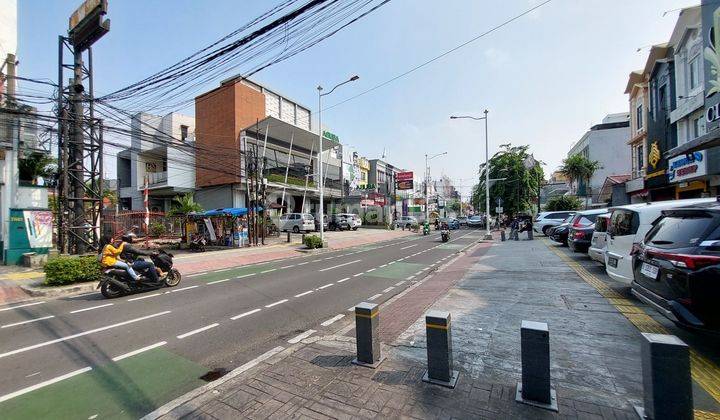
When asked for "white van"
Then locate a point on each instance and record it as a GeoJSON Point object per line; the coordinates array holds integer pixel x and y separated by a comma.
{"type": "Point", "coordinates": [598, 243]}
{"type": "Point", "coordinates": [628, 225]}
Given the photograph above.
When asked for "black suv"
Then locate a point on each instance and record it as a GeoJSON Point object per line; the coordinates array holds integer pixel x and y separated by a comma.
{"type": "Point", "coordinates": [677, 266]}
{"type": "Point", "coordinates": [339, 222]}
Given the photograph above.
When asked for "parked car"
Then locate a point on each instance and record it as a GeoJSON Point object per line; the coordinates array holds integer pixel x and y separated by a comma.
{"type": "Point", "coordinates": [453, 223]}
{"type": "Point", "coordinates": [406, 222]}
{"type": "Point", "coordinates": [598, 243]}
{"type": "Point", "coordinates": [559, 233]}
{"type": "Point", "coordinates": [628, 226]}
{"type": "Point", "coordinates": [317, 223]}
{"type": "Point", "coordinates": [581, 229]}
{"type": "Point", "coordinates": [353, 220]}
{"type": "Point", "coordinates": [676, 268]}
{"type": "Point", "coordinates": [463, 220]}
{"type": "Point", "coordinates": [339, 222]}
{"type": "Point", "coordinates": [476, 222]}
{"type": "Point", "coordinates": [297, 222]}
{"type": "Point", "coordinates": [547, 219]}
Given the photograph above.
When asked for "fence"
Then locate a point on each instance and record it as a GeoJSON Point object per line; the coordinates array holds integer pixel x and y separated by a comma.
{"type": "Point", "coordinates": [161, 225]}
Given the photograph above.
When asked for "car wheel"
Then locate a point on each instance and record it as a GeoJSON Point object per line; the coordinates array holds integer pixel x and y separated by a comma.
{"type": "Point", "coordinates": [355, 228]}
{"type": "Point", "coordinates": [545, 230]}
{"type": "Point", "coordinates": [296, 229]}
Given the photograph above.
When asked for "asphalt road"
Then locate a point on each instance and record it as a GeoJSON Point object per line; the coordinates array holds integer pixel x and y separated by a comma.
{"type": "Point", "coordinates": [87, 356]}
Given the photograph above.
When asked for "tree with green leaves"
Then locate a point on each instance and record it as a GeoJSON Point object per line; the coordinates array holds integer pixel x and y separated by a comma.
{"type": "Point", "coordinates": [579, 169]}
{"type": "Point", "coordinates": [563, 202]}
{"type": "Point", "coordinates": [36, 165]}
{"type": "Point", "coordinates": [183, 205]}
{"type": "Point", "coordinates": [518, 189]}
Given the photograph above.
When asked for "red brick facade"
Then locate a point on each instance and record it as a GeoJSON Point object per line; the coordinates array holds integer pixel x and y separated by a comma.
{"type": "Point", "coordinates": [220, 115]}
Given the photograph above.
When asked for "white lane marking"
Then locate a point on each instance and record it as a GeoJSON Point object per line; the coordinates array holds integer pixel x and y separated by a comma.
{"type": "Point", "coordinates": [197, 274]}
{"type": "Point", "coordinates": [350, 309]}
{"type": "Point", "coordinates": [144, 297]}
{"type": "Point", "coordinates": [138, 351]}
{"type": "Point", "coordinates": [392, 262]}
{"type": "Point", "coordinates": [304, 293]}
{"type": "Point", "coordinates": [218, 281]}
{"type": "Point", "coordinates": [410, 278]}
{"type": "Point", "coordinates": [302, 336]}
{"type": "Point", "coordinates": [32, 374]}
{"type": "Point", "coordinates": [303, 263]}
{"type": "Point", "coordinates": [399, 283]}
{"type": "Point", "coordinates": [28, 321]}
{"type": "Point", "coordinates": [91, 308]}
{"type": "Point", "coordinates": [345, 279]}
{"type": "Point", "coordinates": [388, 289]}
{"type": "Point", "coordinates": [70, 337]}
{"type": "Point", "coordinates": [199, 330]}
{"type": "Point", "coordinates": [339, 265]}
{"type": "Point", "coordinates": [373, 297]}
{"type": "Point", "coordinates": [370, 270]}
{"type": "Point", "coordinates": [44, 384]}
{"type": "Point", "coordinates": [326, 286]}
{"type": "Point", "coordinates": [418, 273]}
{"type": "Point", "coordinates": [21, 306]}
{"type": "Point", "coordinates": [268, 271]}
{"type": "Point", "coordinates": [358, 274]}
{"type": "Point", "coordinates": [242, 315]}
{"type": "Point", "coordinates": [331, 320]}
{"type": "Point", "coordinates": [329, 258]}
{"type": "Point", "coordinates": [287, 266]}
{"type": "Point", "coordinates": [159, 412]}
{"type": "Point", "coordinates": [426, 268]}
{"type": "Point", "coordinates": [276, 303]}
{"type": "Point", "coordinates": [384, 265]}
{"type": "Point", "coordinates": [181, 289]}
{"type": "Point", "coordinates": [409, 246]}
{"type": "Point", "coordinates": [222, 269]}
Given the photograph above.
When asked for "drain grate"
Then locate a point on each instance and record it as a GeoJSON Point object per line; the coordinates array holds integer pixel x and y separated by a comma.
{"type": "Point", "coordinates": [214, 374]}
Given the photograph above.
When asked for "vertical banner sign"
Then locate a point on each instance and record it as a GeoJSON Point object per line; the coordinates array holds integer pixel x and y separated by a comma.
{"type": "Point", "coordinates": [38, 225]}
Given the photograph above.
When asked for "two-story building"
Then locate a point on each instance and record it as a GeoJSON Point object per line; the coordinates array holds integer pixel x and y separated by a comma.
{"type": "Point", "coordinates": [637, 91]}
{"type": "Point", "coordinates": [161, 158]}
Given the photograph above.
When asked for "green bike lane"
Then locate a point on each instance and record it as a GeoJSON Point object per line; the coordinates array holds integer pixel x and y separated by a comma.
{"type": "Point", "coordinates": [225, 346]}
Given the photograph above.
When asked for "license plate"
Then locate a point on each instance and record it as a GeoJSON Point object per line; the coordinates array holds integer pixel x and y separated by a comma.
{"type": "Point", "coordinates": [612, 262]}
{"type": "Point", "coordinates": [649, 270]}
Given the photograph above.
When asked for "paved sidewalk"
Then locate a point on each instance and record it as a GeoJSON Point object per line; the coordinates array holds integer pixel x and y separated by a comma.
{"type": "Point", "coordinates": [595, 352]}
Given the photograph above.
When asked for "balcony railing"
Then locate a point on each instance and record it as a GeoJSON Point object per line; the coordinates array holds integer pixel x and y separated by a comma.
{"type": "Point", "coordinates": [157, 177]}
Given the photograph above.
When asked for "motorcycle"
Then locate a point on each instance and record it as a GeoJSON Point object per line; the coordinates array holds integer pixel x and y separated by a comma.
{"type": "Point", "coordinates": [116, 282]}
{"type": "Point", "coordinates": [197, 243]}
{"type": "Point", "coordinates": [445, 233]}
{"type": "Point", "coordinates": [426, 228]}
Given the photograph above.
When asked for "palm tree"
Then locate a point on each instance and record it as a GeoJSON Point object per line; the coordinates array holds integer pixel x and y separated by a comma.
{"type": "Point", "coordinates": [183, 205]}
{"type": "Point", "coordinates": [36, 165]}
{"type": "Point", "coordinates": [579, 168]}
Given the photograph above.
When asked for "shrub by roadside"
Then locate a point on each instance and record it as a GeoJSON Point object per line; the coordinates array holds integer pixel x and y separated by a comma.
{"type": "Point", "coordinates": [67, 270]}
{"type": "Point", "coordinates": [313, 241]}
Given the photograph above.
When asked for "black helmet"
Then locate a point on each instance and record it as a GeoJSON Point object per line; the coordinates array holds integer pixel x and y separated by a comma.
{"type": "Point", "coordinates": [128, 237]}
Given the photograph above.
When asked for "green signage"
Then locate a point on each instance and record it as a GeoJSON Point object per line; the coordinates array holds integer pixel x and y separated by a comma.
{"type": "Point", "coordinates": [330, 136]}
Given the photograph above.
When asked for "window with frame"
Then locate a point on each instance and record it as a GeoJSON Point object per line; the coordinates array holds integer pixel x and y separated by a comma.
{"type": "Point", "coordinates": [184, 132]}
{"type": "Point", "coordinates": [694, 71]}
{"type": "Point", "coordinates": [639, 116]}
{"type": "Point", "coordinates": [696, 127]}
{"type": "Point", "coordinates": [640, 157]}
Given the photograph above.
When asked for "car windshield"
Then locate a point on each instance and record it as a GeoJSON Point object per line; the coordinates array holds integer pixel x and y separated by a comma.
{"type": "Point", "coordinates": [475, 218]}
{"type": "Point", "coordinates": [601, 224]}
{"type": "Point", "coordinates": [680, 231]}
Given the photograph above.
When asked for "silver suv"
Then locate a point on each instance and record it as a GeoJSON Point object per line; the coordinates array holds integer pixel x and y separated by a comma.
{"type": "Point", "coordinates": [547, 219]}
{"type": "Point", "coordinates": [297, 222]}
{"type": "Point", "coordinates": [406, 222]}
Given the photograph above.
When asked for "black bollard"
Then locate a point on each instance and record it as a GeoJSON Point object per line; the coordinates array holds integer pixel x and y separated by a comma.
{"type": "Point", "coordinates": [367, 324]}
{"type": "Point", "coordinates": [534, 389]}
{"type": "Point", "coordinates": [502, 235]}
{"type": "Point", "coordinates": [439, 350]}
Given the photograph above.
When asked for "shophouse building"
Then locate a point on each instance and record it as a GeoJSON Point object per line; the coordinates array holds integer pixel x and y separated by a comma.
{"type": "Point", "coordinates": [637, 91]}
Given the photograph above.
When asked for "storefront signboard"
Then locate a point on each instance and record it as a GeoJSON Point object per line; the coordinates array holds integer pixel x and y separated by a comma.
{"type": "Point", "coordinates": [404, 185]}
{"type": "Point", "coordinates": [684, 167]}
{"type": "Point", "coordinates": [404, 176]}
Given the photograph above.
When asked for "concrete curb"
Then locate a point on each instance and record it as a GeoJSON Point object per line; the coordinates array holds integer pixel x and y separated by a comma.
{"type": "Point", "coordinates": [59, 291]}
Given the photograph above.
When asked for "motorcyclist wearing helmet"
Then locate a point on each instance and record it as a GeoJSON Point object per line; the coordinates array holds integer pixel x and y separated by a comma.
{"type": "Point", "coordinates": [131, 252]}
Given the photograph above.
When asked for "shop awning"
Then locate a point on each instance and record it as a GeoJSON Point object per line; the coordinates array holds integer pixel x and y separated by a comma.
{"type": "Point", "coordinates": [707, 141]}
{"type": "Point", "coordinates": [228, 211]}
{"type": "Point", "coordinates": [284, 131]}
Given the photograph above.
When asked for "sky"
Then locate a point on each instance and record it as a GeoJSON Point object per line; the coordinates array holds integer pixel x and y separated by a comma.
{"type": "Point", "coordinates": [545, 78]}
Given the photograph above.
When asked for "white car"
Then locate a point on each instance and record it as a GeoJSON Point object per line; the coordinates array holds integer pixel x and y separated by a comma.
{"type": "Point", "coordinates": [547, 219]}
{"type": "Point", "coordinates": [628, 226]}
{"type": "Point", "coordinates": [297, 222]}
{"type": "Point", "coordinates": [353, 220]}
{"type": "Point", "coordinates": [598, 243]}
{"type": "Point", "coordinates": [406, 222]}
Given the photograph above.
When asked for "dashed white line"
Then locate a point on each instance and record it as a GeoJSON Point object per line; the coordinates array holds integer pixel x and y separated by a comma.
{"type": "Point", "coordinates": [426, 268]}
{"type": "Point", "coordinates": [242, 315]}
{"type": "Point", "coordinates": [410, 278]}
{"type": "Point", "coordinates": [342, 280]}
{"type": "Point", "coordinates": [303, 294]}
{"type": "Point", "coordinates": [199, 330]}
{"type": "Point", "coordinates": [392, 262]}
{"type": "Point", "coordinates": [370, 270]}
{"type": "Point", "coordinates": [279, 302]}
{"type": "Point", "coordinates": [303, 263]}
{"type": "Point", "coordinates": [138, 351]}
{"type": "Point", "coordinates": [409, 246]}
{"type": "Point", "coordinates": [358, 274]}
{"type": "Point", "coordinates": [28, 321]}
{"type": "Point", "coordinates": [197, 274]}
{"type": "Point", "coordinates": [70, 337]}
{"type": "Point", "coordinates": [268, 271]}
{"type": "Point", "coordinates": [384, 265]}
{"type": "Point", "coordinates": [181, 289]}
{"type": "Point", "coordinates": [91, 308]}
{"type": "Point", "coordinates": [399, 283]}
{"type": "Point", "coordinates": [388, 289]}
{"type": "Point", "coordinates": [222, 269]}
{"type": "Point", "coordinates": [21, 306]}
{"type": "Point", "coordinates": [218, 281]}
{"type": "Point", "coordinates": [418, 273]}
{"type": "Point", "coordinates": [373, 297]}
{"type": "Point", "coordinates": [339, 265]}
{"type": "Point", "coordinates": [287, 266]}
{"type": "Point", "coordinates": [144, 297]}
{"type": "Point", "coordinates": [331, 320]}
{"type": "Point", "coordinates": [302, 336]}
{"type": "Point", "coordinates": [326, 286]}
{"type": "Point", "coordinates": [44, 384]}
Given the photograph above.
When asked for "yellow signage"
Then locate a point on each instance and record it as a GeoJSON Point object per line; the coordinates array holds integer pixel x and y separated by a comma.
{"type": "Point", "coordinates": [654, 156]}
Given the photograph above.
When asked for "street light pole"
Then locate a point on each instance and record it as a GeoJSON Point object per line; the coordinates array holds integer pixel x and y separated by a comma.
{"type": "Point", "coordinates": [427, 181]}
{"type": "Point", "coordinates": [321, 182]}
{"type": "Point", "coordinates": [487, 170]}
